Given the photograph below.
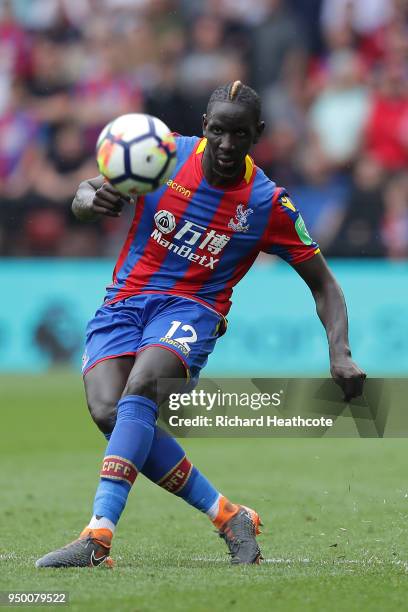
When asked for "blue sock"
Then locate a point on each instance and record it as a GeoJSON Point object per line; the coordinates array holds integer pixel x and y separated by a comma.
{"type": "Point", "coordinates": [168, 466]}
{"type": "Point", "coordinates": [125, 455]}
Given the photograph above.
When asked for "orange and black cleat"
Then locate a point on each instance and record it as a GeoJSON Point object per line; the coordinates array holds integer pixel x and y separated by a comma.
{"type": "Point", "coordinates": [89, 550]}
{"type": "Point", "coordinates": [240, 534]}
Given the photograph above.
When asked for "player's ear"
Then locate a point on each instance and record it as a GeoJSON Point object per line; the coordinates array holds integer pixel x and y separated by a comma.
{"type": "Point", "coordinates": [259, 130]}
{"type": "Point", "coordinates": [205, 123]}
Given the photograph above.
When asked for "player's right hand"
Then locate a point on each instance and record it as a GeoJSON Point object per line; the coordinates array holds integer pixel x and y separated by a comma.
{"type": "Point", "coordinates": [108, 201]}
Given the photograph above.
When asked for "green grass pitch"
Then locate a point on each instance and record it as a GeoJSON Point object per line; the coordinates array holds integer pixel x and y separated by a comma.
{"type": "Point", "coordinates": [335, 514]}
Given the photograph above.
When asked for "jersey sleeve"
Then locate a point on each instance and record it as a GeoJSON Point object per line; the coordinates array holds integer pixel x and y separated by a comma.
{"type": "Point", "coordinates": [287, 235]}
{"type": "Point", "coordinates": [185, 145]}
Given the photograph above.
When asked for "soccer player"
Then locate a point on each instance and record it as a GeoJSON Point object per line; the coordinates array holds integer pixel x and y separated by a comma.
{"type": "Point", "coordinates": [190, 242]}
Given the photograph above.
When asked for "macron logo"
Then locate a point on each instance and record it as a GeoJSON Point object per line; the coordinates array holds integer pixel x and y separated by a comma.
{"type": "Point", "coordinates": [179, 188]}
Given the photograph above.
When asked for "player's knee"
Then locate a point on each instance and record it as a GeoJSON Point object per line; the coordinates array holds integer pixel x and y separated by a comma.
{"type": "Point", "coordinates": [103, 412]}
{"type": "Point", "coordinates": [142, 383]}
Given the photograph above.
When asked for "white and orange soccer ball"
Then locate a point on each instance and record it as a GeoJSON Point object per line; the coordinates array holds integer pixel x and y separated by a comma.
{"type": "Point", "coordinates": [136, 153]}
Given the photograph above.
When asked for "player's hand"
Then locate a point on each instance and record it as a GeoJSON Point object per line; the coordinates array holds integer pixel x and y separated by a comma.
{"type": "Point", "coordinates": [108, 201]}
{"type": "Point", "coordinates": [348, 376]}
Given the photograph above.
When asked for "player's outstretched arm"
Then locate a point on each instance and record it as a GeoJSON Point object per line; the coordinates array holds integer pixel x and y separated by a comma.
{"type": "Point", "coordinates": [95, 197]}
{"type": "Point", "coordinates": [332, 311]}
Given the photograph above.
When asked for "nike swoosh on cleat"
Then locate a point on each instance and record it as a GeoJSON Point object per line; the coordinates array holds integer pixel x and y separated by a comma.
{"type": "Point", "coordinates": [95, 561]}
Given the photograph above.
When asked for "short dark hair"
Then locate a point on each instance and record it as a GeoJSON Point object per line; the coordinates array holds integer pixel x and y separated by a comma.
{"type": "Point", "coordinates": [237, 92]}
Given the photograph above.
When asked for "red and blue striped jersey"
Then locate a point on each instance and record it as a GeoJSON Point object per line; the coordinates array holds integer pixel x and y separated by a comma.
{"type": "Point", "coordinates": [197, 241]}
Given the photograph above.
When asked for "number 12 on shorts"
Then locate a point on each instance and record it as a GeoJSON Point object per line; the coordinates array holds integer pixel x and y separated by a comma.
{"type": "Point", "coordinates": [184, 340]}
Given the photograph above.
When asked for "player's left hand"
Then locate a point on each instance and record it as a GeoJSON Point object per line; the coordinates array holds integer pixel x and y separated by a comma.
{"type": "Point", "coordinates": [348, 376]}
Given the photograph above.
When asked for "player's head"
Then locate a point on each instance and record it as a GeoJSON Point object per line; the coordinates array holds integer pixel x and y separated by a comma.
{"type": "Point", "coordinates": [237, 93]}
{"type": "Point", "coordinates": [232, 124]}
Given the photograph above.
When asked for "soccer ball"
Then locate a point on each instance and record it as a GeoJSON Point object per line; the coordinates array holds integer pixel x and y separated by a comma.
{"type": "Point", "coordinates": [136, 153]}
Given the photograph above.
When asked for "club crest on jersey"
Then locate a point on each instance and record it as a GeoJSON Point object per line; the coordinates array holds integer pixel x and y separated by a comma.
{"type": "Point", "coordinates": [239, 223]}
{"type": "Point", "coordinates": [165, 221]}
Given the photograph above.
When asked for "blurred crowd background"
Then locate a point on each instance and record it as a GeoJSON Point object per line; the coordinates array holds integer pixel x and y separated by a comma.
{"type": "Point", "coordinates": [333, 76]}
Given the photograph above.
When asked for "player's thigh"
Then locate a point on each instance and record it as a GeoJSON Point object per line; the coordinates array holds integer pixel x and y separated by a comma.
{"type": "Point", "coordinates": [112, 340]}
{"type": "Point", "coordinates": [156, 373]}
{"type": "Point", "coordinates": [115, 331]}
{"type": "Point", "coordinates": [104, 385]}
{"type": "Point", "coordinates": [175, 346]}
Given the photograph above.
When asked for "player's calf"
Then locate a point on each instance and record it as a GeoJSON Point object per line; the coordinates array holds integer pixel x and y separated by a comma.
{"type": "Point", "coordinates": [168, 466]}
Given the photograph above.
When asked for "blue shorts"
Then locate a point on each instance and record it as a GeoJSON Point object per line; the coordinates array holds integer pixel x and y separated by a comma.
{"type": "Point", "coordinates": [182, 326]}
